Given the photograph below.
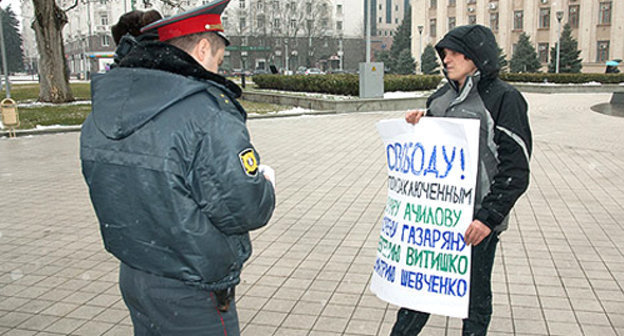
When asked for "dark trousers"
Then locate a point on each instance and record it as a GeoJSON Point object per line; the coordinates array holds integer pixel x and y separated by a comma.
{"type": "Point", "coordinates": [410, 322]}
{"type": "Point", "coordinates": [163, 306]}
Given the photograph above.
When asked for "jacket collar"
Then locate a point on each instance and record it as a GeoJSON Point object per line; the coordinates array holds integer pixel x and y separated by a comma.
{"type": "Point", "coordinates": [471, 83]}
{"type": "Point", "coordinates": [166, 57]}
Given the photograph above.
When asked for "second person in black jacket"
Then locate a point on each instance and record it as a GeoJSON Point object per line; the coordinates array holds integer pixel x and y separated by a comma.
{"type": "Point", "coordinates": [470, 57]}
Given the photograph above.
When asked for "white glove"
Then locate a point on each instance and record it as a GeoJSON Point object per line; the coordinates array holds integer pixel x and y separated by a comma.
{"type": "Point", "coordinates": [268, 172]}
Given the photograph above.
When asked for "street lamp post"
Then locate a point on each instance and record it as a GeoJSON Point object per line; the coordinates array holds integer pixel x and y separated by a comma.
{"type": "Point", "coordinates": [368, 30]}
{"type": "Point", "coordinates": [84, 59]}
{"type": "Point", "coordinates": [559, 18]}
{"type": "Point", "coordinates": [294, 53]}
{"type": "Point", "coordinates": [340, 53]}
{"type": "Point", "coordinates": [286, 55]}
{"type": "Point", "coordinates": [420, 30]}
{"type": "Point", "coordinates": [244, 66]}
{"type": "Point", "coordinates": [4, 63]}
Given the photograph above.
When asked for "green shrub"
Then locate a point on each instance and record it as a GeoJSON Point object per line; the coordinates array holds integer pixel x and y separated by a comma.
{"type": "Point", "coordinates": [343, 84]}
{"type": "Point", "coordinates": [410, 82]}
{"type": "Point", "coordinates": [563, 78]}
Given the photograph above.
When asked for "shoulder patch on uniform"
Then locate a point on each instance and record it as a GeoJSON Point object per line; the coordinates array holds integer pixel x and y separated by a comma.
{"type": "Point", "coordinates": [249, 161]}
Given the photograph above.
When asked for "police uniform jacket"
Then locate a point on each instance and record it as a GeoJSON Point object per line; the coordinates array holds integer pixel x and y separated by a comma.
{"type": "Point", "coordinates": [171, 171]}
{"type": "Point", "coordinates": [505, 136]}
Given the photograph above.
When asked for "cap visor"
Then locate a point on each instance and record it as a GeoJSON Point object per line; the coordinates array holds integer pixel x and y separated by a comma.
{"type": "Point", "coordinates": [227, 41]}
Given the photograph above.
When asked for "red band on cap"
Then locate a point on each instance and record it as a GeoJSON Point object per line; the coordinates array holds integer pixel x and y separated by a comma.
{"type": "Point", "coordinates": [192, 25]}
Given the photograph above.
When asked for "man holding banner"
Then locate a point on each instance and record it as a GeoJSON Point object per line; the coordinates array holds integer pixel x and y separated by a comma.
{"type": "Point", "coordinates": [474, 90]}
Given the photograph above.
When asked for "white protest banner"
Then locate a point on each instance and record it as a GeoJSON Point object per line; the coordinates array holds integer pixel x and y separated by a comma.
{"type": "Point", "coordinates": [422, 260]}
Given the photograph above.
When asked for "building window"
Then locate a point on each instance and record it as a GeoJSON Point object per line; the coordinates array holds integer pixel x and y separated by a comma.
{"type": "Point", "coordinates": [308, 8]}
{"type": "Point", "coordinates": [573, 16]}
{"type": "Point", "coordinates": [339, 9]}
{"type": "Point", "coordinates": [494, 21]}
{"type": "Point", "coordinates": [293, 24]}
{"type": "Point", "coordinates": [339, 25]}
{"type": "Point", "coordinates": [452, 3]}
{"type": "Point", "coordinates": [432, 27]}
{"type": "Point", "coordinates": [388, 11]}
{"type": "Point", "coordinates": [276, 6]}
{"type": "Point", "coordinates": [105, 40]}
{"type": "Point", "coordinates": [242, 3]}
{"type": "Point", "coordinates": [472, 19]}
{"type": "Point", "coordinates": [603, 51]}
{"type": "Point", "coordinates": [542, 52]}
{"type": "Point", "coordinates": [380, 19]}
{"type": "Point", "coordinates": [433, 4]}
{"type": "Point", "coordinates": [544, 18]}
{"type": "Point", "coordinates": [396, 8]}
{"type": "Point", "coordinates": [518, 20]}
{"type": "Point", "coordinates": [470, 2]}
{"type": "Point", "coordinates": [242, 23]}
{"type": "Point", "coordinates": [276, 24]}
{"type": "Point", "coordinates": [451, 22]}
{"type": "Point", "coordinates": [104, 20]}
{"type": "Point", "coordinates": [324, 23]}
{"type": "Point", "coordinates": [605, 13]}
{"type": "Point", "coordinates": [260, 22]}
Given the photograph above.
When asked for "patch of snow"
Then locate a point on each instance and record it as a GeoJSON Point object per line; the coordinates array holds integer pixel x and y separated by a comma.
{"type": "Point", "coordinates": [39, 127]}
{"type": "Point", "coordinates": [17, 274]}
{"type": "Point", "coordinates": [39, 104]}
{"type": "Point", "coordinates": [293, 111]}
{"type": "Point", "coordinates": [387, 95]}
{"type": "Point", "coordinates": [402, 94]}
{"type": "Point", "coordinates": [309, 94]}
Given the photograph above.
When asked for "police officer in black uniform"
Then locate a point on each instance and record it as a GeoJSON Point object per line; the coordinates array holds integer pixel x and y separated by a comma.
{"type": "Point", "coordinates": [173, 177]}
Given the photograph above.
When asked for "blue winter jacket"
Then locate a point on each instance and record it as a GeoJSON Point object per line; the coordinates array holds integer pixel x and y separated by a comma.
{"type": "Point", "coordinates": [171, 171]}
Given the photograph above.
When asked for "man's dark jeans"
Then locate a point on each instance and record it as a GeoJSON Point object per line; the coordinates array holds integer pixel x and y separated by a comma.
{"type": "Point", "coordinates": [410, 322]}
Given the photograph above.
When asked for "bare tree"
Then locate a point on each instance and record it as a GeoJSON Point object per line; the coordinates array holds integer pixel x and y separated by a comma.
{"type": "Point", "coordinates": [48, 24]}
{"type": "Point", "coordinates": [316, 25]}
{"type": "Point", "coordinates": [285, 20]}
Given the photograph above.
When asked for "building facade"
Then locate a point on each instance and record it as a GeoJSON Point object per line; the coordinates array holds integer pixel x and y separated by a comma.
{"type": "Point", "coordinates": [597, 25]}
{"type": "Point", "coordinates": [31, 55]}
{"type": "Point", "coordinates": [386, 17]}
{"type": "Point", "coordinates": [285, 33]}
{"type": "Point", "coordinates": [293, 34]}
{"type": "Point", "coordinates": [89, 45]}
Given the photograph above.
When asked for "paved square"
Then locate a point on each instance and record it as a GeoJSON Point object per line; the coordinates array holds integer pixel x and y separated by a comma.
{"type": "Point", "coordinates": [559, 268]}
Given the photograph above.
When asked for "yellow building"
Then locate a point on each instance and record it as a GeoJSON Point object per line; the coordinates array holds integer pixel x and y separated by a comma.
{"type": "Point", "coordinates": [597, 25]}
